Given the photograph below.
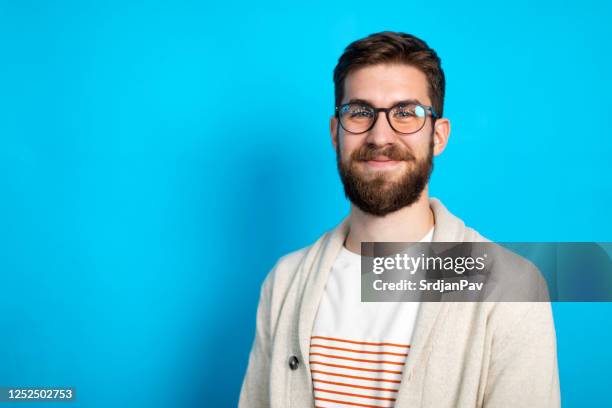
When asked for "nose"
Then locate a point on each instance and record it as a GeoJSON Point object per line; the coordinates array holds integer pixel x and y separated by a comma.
{"type": "Point", "coordinates": [382, 133]}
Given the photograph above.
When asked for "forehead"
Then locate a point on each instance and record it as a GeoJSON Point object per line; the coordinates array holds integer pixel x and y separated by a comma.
{"type": "Point", "coordinates": [385, 84]}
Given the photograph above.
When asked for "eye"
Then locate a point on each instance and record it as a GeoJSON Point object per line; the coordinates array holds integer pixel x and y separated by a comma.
{"type": "Point", "coordinates": [355, 111]}
{"type": "Point", "coordinates": [404, 112]}
{"type": "Point", "coordinates": [409, 111]}
{"type": "Point", "coordinates": [360, 114]}
{"type": "Point", "coordinates": [359, 111]}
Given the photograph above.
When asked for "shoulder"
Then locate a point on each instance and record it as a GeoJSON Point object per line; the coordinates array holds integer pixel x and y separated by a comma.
{"type": "Point", "coordinates": [282, 284]}
{"type": "Point", "coordinates": [289, 262]}
{"type": "Point", "coordinates": [516, 278]}
{"type": "Point", "coordinates": [471, 235]}
{"type": "Point", "coordinates": [299, 262]}
{"type": "Point", "coordinates": [285, 268]}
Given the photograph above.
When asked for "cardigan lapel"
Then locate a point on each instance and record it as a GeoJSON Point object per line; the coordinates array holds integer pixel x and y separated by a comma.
{"type": "Point", "coordinates": [316, 275]}
{"type": "Point", "coordinates": [448, 228]}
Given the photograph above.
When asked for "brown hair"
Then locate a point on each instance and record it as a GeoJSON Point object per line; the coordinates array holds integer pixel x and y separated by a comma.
{"type": "Point", "coordinates": [392, 47]}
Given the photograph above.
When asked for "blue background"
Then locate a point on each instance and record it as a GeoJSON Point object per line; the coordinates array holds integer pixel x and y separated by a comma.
{"type": "Point", "coordinates": [156, 158]}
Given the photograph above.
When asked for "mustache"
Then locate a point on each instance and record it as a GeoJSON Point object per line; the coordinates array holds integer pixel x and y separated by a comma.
{"type": "Point", "coordinates": [392, 152]}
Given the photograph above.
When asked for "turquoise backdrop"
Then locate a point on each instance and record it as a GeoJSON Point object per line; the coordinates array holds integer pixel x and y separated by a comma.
{"type": "Point", "coordinates": [158, 157]}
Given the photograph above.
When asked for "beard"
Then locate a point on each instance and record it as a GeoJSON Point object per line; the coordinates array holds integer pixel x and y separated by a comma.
{"type": "Point", "coordinates": [379, 193]}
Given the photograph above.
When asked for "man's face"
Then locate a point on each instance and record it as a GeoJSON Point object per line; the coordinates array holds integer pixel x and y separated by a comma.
{"type": "Point", "coordinates": [382, 170]}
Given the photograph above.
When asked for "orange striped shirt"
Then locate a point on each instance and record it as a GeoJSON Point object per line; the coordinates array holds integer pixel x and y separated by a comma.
{"type": "Point", "coordinates": [358, 349]}
{"type": "Point", "coordinates": [351, 373]}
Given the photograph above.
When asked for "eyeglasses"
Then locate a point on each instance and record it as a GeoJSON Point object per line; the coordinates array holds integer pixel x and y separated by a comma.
{"type": "Point", "coordinates": [405, 118]}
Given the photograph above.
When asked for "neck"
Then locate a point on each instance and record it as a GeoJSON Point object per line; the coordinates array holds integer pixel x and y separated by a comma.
{"type": "Point", "coordinates": [408, 224]}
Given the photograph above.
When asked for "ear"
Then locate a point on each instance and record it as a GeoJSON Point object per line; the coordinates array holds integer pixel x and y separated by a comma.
{"type": "Point", "coordinates": [333, 129]}
{"type": "Point", "coordinates": [441, 134]}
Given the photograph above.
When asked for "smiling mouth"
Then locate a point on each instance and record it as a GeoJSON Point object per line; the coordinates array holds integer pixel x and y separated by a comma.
{"type": "Point", "coordinates": [382, 162]}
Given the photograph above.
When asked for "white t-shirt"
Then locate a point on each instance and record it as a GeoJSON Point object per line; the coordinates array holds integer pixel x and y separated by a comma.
{"type": "Point", "coordinates": [358, 350]}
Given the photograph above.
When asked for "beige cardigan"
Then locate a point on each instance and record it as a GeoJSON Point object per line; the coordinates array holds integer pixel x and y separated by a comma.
{"type": "Point", "coordinates": [488, 354]}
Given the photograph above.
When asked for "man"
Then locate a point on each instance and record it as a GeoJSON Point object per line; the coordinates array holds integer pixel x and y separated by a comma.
{"type": "Point", "coordinates": [317, 344]}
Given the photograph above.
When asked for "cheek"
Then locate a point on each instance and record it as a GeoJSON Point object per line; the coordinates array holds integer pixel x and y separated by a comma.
{"type": "Point", "coordinates": [419, 143]}
{"type": "Point", "coordinates": [350, 144]}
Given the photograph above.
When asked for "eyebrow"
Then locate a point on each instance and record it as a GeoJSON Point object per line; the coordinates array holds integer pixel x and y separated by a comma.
{"type": "Point", "coordinates": [366, 102]}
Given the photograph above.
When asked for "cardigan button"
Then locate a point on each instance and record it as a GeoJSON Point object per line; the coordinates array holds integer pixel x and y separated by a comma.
{"type": "Point", "coordinates": [293, 362]}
